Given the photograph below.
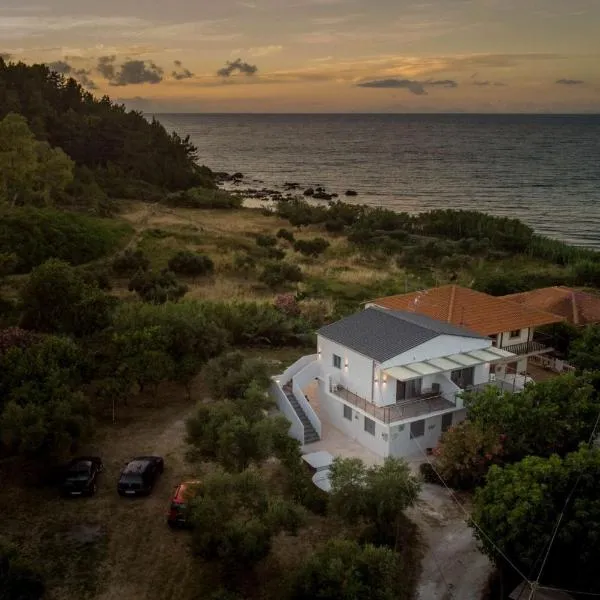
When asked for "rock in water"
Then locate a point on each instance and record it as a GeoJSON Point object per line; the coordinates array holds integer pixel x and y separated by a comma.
{"type": "Point", "coordinates": [309, 192]}
{"type": "Point", "coordinates": [351, 193]}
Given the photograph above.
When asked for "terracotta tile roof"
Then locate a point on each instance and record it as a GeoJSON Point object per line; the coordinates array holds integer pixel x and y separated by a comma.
{"type": "Point", "coordinates": [577, 307]}
{"type": "Point", "coordinates": [479, 312]}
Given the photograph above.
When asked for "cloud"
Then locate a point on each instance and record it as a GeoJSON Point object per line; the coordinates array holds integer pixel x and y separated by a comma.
{"type": "Point", "coordinates": [413, 86]}
{"type": "Point", "coordinates": [258, 51]}
{"type": "Point", "coordinates": [570, 82]}
{"type": "Point", "coordinates": [181, 72]}
{"type": "Point", "coordinates": [237, 65]}
{"type": "Point", "coordinates": [131, 72]}
{"type": "Point", "coordinates": [81, 75]}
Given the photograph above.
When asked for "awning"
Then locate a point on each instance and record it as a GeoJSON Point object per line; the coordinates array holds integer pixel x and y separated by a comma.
{"type": "Point", "coordinates": [452, 362]}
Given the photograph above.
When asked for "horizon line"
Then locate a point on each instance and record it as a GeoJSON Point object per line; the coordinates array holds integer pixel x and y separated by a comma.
{"type": "Point", "coordinates": [459, 113]}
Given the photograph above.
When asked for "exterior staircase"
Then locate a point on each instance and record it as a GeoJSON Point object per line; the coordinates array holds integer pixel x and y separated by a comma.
{"type": "Point", "coordinates": [310, 435]}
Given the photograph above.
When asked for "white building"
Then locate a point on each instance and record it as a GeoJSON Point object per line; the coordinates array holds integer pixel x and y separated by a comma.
{"type": "Point", "coordinates": [391, 380]}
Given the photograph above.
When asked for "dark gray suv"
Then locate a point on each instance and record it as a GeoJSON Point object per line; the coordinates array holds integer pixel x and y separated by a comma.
{"type": "Point", "coordinates": [139, 475]}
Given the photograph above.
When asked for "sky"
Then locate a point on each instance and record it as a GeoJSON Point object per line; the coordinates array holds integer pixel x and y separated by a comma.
{"type": "Point", "coordinates": [390, 56]}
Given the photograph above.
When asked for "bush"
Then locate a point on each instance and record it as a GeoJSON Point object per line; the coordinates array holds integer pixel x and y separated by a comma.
{"type": "Point", "coordinates": [130, 261]}
{"type": "Point", "coordinates": [230, 375]}
{"type": "Point", "coordinates": [18, 580]}
{"type": "Point", "coordinates": [275, 253]}
{"type": "Point", "coordinates": [335, 225]}
{"type": "Point", "coordinates": [428, 473]}
{"type": "Point", "coordinates": [36, 235]}
{"type": "Point", "coordinates": [286, 234]}
{"type": "Point", "coordinates": [280, 274]}
{"type": "Point", "coordinates": [287, 304]}
{"type": "Point", "coordinates": [157, 288]}
{"type": "Point", "coordinates": [266, 241]}
{"type": "Point", "coordinates": [191, 263]}
{"type": "Point", "coordinates": [312, 247]}
{"type": "Point", "coordinates": [244, 264]}
{"type": "Point", "coordinates": [200, 197]}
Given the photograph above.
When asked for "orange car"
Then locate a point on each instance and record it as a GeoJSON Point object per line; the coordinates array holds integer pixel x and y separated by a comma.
{"type": "Point", "coordinates": [179, 507]}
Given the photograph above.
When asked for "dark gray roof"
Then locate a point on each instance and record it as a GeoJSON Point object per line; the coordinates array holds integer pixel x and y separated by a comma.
{"type": "Point", "coordinates": [382, 334]}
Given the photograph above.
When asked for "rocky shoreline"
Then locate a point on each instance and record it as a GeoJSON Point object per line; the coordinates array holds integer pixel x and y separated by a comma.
{"type": "Point", "coordinates": [251, 190]}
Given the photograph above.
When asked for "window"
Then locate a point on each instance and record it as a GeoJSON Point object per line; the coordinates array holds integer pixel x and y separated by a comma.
{"type": "Point", "coordinates": [515, 333]}
{"type": "Point", "coordinates": [417, 429]}
{"type": "Point", "coordinates": [369, 426]}
{"type": "Point", "coordinates": [446, 421]}
{"type": "Point", "coordinates": [463, 378]}
{"type": "Point", "coordinates": [347, 412]}
{"type": "Point", "coordinates": [337, 361]}
{"type": "Point", "coordinates": [494, 340]}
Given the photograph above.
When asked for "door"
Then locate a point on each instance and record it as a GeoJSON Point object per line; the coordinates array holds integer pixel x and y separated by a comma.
{"type": "Point", "coordinates": [405, 390]}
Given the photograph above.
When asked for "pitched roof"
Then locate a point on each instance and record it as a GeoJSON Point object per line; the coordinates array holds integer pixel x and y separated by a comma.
{"type": "Point", "coordinates": [485, 314]}
{"type": "Point", "coordinates": [382, 334]}
{"type": "Point", "coordinates": [577, 307]}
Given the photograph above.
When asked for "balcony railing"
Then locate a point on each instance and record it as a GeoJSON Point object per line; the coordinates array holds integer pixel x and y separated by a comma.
{"type": "Point", "coordinates": [527, 348]}
{"type": "Point", "coordinates": [394, 412]}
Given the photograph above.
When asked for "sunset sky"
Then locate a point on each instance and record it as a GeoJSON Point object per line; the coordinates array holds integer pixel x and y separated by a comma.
{"type": "Point", "coordinates": [318, 55]}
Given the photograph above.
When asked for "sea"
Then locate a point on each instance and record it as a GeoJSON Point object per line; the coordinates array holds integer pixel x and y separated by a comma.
{"type": "Point", "coordinates": [542, 169]}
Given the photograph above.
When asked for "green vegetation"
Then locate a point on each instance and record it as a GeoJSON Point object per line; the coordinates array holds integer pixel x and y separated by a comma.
{"type": "Point", "coordinates": [202, 197]}
{"type": "Point", "coordinates": [35, 235]}
{"type": "Point", "coordinates": [157, 288]}
{"type": "Point", "coordinates": [192, 264]}
{"type": "Point", "coordinates": [18, 579]}
{"type": "Point", "coordinates": [519, 508]}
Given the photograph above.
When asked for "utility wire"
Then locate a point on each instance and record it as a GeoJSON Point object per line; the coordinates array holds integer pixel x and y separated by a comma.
{"type": "Point", "coordinates": [469, 517]}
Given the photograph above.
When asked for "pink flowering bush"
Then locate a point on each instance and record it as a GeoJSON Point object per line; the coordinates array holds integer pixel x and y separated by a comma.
{"type": "Point", "coordinates": [287, 304]}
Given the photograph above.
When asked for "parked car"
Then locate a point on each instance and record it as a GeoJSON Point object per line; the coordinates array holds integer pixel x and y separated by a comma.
{"type": "Point", "coordinates": [179, 507]}
{"type": "Point", "coordinates": [81, 476]}
{"type": "Point", "coordinates": [139, 475]}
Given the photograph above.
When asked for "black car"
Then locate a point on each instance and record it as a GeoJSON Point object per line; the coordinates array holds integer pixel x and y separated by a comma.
{"type": "Point", "coordinates": [81, 476]}
{"type": "Point", "coordinates": [139, 475]}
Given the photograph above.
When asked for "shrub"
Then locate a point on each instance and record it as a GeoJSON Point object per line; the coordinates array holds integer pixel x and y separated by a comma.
{"type": "Point", "coordinates": [275, 253]}
{"type": "Point", "coordinates": [191, 263]}
{"type": "Point", "coordinates": [280, 274]}
{"type": "Point", "coordinates": [130, 261]}
{"type": "Point", "coordinates": [287, 304]}
{"type": "Point", "coordinates": [335, 225]}
{"type": "Point", "coordinates": [231, 374]}
{"type": "Point", "coordinates": [36, 235]}
{"type": "Point", "coordinates": [312, 247]}
{"type": "Point", "coordinates": [428, 473]}
{"type": "Point", "coordinates": [200, 197]}
{"type": "Point", "coordinates": [244, 264]}
{"type": "Point", "coordinates": [18, 579]}
{"type": "Point", "coordinates": [266, 241]}
{"type": "Point", "coordinates": [286, 234]}
{"type": "Point", "coordinates": [157, 288]}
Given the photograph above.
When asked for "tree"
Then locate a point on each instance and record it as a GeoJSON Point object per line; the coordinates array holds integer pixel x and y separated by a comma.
{"type": "Point", "coordinates": [44, 415]}
{"type": "Point", "coordinates": [130, 261]}
{"type": "Point", "coordinates": [56, 299]}
{"type": "Point", "coordinates": [519, 508]}
{"type": "Point", "coordinates": [191, 263]}
{"type": "Point", "coordinates": [157, 288]}
{"type": "Point", "coordinates": [552, 416]}
{"type": "Point", "coordinates": [234, 433]}
{"type": "Point", "coordinates": [18, 580]}
{"type": "Point", "coordinates": [465, 453]}
{"type": "Point", "coordinates": [230, 375]}
{"type": "Point", "coordinates": [345, 570]}
{"type": "Point", "coordinates": [235, 519]}
{"type": "Point", "coordinates": [376, 495]}
{"type": "Point", "coordinates": [585, 351]}
{"type": "Point", "coordinates": [30, 171]}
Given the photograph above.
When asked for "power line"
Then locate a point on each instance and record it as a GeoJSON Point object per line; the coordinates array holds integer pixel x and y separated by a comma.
{"type": "Point", "coordinates": [469, 517]}
{"type": "Point", "coordinates": [554, 589]}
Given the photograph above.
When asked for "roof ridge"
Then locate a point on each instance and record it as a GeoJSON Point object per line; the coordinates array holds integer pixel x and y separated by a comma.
{"type": "Point", "coordinates": [451, 306]}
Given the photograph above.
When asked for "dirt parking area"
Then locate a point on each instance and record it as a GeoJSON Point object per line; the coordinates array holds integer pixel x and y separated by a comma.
{"type": "Point", "coordinates": [107, 547]}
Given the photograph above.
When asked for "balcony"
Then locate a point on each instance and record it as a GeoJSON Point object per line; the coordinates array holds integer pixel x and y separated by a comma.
{"type": "Point", "coordinates": [531, 348]}
{"type": "Point", "coordinates": [400, 411]}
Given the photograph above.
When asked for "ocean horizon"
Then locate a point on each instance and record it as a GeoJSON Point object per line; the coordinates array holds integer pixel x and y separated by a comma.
{"type": "Point", "coordinates": [541, 168]}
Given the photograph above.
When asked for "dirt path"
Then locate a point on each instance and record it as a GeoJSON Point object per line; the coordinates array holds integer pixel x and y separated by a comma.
{"type": "Point", "coordinates": [453, 567]}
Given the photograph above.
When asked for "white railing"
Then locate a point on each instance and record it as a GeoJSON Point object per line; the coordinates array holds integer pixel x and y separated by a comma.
{"type": "Point", "coordinates": [299, 381]}
{"type": "Point", "coordinates": [287, 375]}
{"type": "Point", "coordinates": [283, 404]}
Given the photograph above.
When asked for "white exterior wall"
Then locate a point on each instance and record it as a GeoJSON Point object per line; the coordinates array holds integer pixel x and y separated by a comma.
{"type": "Point", "coordinates": [332, 408]}
{"type": "Point", "coordinates": [438, 347]}
{"type": "Point", "coordinates": [402, 446]}
{"type": "Point", "coordinates": [357, 377]}
{"type": "Point", "coordinates": [526, 336]}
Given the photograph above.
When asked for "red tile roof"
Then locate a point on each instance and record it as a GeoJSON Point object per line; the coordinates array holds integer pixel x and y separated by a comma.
{"type": "Point", "coordinates": [479, 312]}
{"type": "Point", "coordinates": [577, 307]}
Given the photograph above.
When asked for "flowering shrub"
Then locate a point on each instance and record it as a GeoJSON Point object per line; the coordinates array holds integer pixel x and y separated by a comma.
{"type": "Point", "coordinates": [287, 304]}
